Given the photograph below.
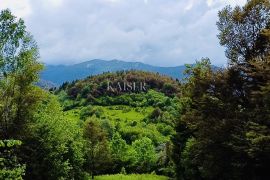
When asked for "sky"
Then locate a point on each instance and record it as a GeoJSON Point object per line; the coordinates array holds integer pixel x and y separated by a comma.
{"type": "Point", "coordinates": [156, 32]}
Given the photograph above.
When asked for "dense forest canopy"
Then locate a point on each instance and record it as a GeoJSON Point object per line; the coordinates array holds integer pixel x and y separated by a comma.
{"type": "Point", "coordinates": [215, 124]}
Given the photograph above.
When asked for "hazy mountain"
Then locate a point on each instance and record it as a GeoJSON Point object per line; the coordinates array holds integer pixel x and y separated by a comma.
{"type": "Point", "coordinates": [62, 73]}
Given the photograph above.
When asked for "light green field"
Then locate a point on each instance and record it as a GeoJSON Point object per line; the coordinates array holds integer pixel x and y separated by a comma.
{"type": "Point", "coordinates": [115, 113]}
{"type": "Point", "coordinates": [131, 177]}
{"type": "Point", "coordinates": [130, 119]}
{"type": "Point", "coordinates": [127, 112]}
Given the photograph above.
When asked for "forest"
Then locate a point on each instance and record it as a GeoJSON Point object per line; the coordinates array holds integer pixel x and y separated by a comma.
{"type": "Point", "coordinates": [212, 124]}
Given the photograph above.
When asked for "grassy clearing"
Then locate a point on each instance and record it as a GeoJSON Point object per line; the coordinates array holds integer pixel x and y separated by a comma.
{"type": "Point", "coordinates": [131, 177]}
{"type": "Point", "coordinates": [129, 119]}
{"type": "Point", "coordinates": [126, 113]}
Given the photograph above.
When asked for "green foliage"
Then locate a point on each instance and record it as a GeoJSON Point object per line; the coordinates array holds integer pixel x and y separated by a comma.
{"type": "Point", "coordinates": [244, 31]}
{"type": "Point", "coordinates": [221, 120]}
{"type": "Point", "coordinates": [120, 153]}
{"type": "Point", "coordinates": [90, 135]}
{"type": "Point", "coordinates": [55, 147]}
{"type": "Point", "coordinates": [165, 165]}
{"type": "Point", "coordinates": [156, 113]}
{"type": "Point", "coordinates": [10, 168]}
{"type": "Point", "coordinates": [118, 147]}
{"type": "Point", "coordinates": [125, 124]}
{"type": "Point", "coordinates": [123, 171]}
{"type": "Point", "coordinates": [179, 140]}
{"type": "Point", "coordinates": [86, 112]}
{"type": "Point", "coordinates": [224, 130]}
{"type": "Point", "coordinates": [52, 146]}
{"type": "Point", "coordinates": [96, 87]}
{"type": "Point", "coordinates": [98, 155]}
{"type": "Point", "coordinates": [19, 68]}
{"type": "Point", "coordinates": [188, 160]}
{"type": "Point", "coordinates": [144, 154]}
{"type": "Point", "coordinates": [131, 177]}
{"type": "Point", "coordinates": [210, 116]}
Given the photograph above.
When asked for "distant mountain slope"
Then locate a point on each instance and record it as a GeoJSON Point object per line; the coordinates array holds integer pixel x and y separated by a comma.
{"type": "Point", "coordinates": [62, 73]}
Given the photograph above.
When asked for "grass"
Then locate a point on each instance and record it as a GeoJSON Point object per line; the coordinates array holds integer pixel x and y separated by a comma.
{"type": "Point", "coordinates": [130, 120]}
{"type": "Point", "coordinates": [126, 112]}
{"type": "Point", "coordinates": [116, 113]}
{"type": "Point", "coordinates": [131, 177]}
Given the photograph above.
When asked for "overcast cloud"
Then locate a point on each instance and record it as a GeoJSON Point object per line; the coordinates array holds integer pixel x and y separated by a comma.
{"type": "Point", "coordinates": [157, 32]}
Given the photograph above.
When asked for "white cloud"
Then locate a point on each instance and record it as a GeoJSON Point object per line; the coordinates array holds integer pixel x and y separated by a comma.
{"type": "Point", "coordinates": [21, 8]}
{"type": "Point", "coordinates": [189, 5]}
{"type": "Point", "coordinates": [234, 2]}
{"type": "Point", "coordinates": [53, 3]}
{"type": "Point", "coordinates": [158, 32]}
{"type": "Point", "coordinates": [211, 3]}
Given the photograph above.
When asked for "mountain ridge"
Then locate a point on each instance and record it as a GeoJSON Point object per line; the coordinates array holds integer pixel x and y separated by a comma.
{"type": "Point", "coordinates": [58, 74]}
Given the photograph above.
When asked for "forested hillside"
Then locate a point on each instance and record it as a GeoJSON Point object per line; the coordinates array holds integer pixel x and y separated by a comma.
{"type": "Point", "coordinates": [135, 127]}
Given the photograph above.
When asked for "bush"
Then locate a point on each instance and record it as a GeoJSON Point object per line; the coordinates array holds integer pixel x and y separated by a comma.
{"type": "Point", "coordinates": [10, 168]}
{"type": "Point", "coordinates": [145, 154]}
{"type": "Point", "coordinates": [86, 112]}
